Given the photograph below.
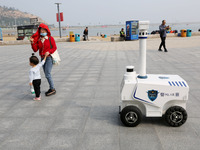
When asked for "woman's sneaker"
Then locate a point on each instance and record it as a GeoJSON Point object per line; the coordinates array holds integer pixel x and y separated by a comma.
{"type": "Point", "coordinates": [50, 92]}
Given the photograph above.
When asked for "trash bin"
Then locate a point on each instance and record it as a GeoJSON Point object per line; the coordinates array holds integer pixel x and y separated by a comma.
{"type": "Point", "coordinates": [189, 32]}
{"type": "Point", "coordinates": [77, 37]}
{"type": "Point", "coordinates": [72, 38]}
{"type": "Point", "coordinates": [71, 32]}
{"type": "Point", "coordinates": [1, 36]}
{"type": "Point", "coordinates": [183, 33]}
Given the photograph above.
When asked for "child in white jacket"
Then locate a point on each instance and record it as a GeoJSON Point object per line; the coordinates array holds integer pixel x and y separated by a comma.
{"type": "Point", "coordinates": [34, 75]}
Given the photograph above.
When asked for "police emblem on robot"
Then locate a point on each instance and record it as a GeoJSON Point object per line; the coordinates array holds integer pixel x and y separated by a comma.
{"type": "Point", "coordinates": [152, 94]}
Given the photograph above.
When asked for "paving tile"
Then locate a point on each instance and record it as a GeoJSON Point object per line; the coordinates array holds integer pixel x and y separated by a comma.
{"type": "Point", "coordinates": [83, 115]}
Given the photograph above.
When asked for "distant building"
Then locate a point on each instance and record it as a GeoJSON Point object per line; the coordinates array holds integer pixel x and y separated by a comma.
{"type": "Point", "coordinates": [36, 21]}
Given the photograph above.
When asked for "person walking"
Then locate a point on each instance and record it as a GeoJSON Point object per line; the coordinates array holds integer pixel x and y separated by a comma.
{"type": "Point", "coordinates": [85, 34]}
{"type": "Point", "coordinates": [163, 35]}
{"type": "Point", "coordinates": [45, 43]}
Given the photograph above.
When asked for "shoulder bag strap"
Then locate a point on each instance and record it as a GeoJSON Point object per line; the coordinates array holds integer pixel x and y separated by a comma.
{"type": "Point", "coordinates": [50, 42]}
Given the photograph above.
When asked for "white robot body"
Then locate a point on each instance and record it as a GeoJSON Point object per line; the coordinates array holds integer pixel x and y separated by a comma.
{"type": "Point", "coordinates": [152, 95]}
{"type": "Point", "coordinates": [155, 94]}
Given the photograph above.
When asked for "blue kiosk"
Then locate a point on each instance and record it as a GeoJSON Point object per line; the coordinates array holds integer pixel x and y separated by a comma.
{"type": "Point", "coordinates": [132, 30]}
{"type": "Point", "coordinates": [1, 36]}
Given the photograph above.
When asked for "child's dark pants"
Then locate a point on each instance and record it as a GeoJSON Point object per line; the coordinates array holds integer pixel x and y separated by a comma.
{"type": "Point", "coordinates": [36, 85]}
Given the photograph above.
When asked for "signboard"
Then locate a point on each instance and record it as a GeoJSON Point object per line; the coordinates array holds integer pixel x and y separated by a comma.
{"type": "Point", "coordinates": [61, 17]}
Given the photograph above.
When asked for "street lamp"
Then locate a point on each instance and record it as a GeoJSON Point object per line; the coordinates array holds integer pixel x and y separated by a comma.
{"type": "Point", "coordinates": [59, 18]}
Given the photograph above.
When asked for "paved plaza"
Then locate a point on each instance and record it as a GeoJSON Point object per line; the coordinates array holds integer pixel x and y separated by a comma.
{"type": "Point", "coordinates": [83, 115]}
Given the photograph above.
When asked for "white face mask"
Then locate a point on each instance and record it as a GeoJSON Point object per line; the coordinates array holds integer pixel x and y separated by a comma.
{"type": "Point", "coordinates": [43, 34]}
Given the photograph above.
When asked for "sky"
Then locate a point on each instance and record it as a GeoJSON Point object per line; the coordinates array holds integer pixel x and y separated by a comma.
{"type": "Point", "coordinates": [95, 12]}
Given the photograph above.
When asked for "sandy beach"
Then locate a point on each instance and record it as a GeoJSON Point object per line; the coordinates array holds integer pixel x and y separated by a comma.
{"type": "Point", "coordinates": [9, 38]}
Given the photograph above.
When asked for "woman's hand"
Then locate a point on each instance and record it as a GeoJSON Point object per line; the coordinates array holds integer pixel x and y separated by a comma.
{"type": "Point", "coordinates": [30, 84]}
{"type": "Point", "coordinates": [31, 39]}
{"type": "Point", "coordinates": [47, 54]}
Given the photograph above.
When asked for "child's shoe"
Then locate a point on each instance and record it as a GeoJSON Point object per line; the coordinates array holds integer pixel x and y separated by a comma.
{"type": "Point", "coordinates": [37, 98]}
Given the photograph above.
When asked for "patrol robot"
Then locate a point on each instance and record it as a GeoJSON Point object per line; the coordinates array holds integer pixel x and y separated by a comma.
{"type": "Point", "coordinates": [152, 95]}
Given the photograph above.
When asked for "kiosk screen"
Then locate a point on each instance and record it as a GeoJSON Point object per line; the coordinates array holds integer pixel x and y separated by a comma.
{"type": "Point", "coordinates": [134, 28]}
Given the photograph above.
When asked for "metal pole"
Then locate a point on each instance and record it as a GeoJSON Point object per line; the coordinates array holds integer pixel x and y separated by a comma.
{"type": "Point", "coordinates": [143, 49]}
{"type": "Point", "coordinates": [143, 26]}
{"type": "Point", "coordinates": [59, 19]}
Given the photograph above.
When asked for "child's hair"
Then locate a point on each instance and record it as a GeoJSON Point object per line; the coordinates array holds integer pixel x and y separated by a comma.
{"type": "Point", "coordinates": [34, 60]}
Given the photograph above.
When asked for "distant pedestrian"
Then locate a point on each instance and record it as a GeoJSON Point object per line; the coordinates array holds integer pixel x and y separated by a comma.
{"type": "Point", "coordinates": [45, 43]}
{"type": "Point", "coordinates": [85, 34]}
{"type": "Point", "coordinates": [34, 75]}
{"type": "Point", "coordinates": [163, 35]}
